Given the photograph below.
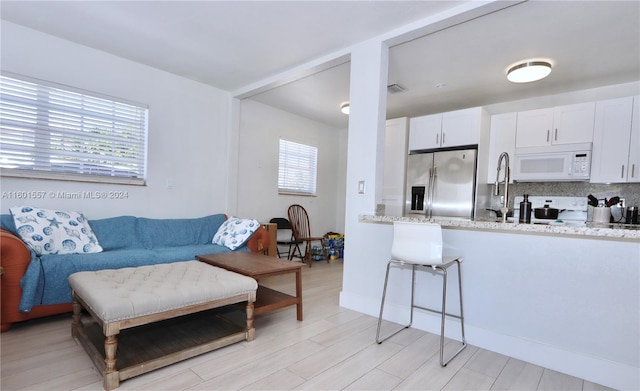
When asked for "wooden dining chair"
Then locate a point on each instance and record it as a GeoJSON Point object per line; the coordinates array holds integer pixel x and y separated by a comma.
{"type": "Point", "coordinates": [299, 220]}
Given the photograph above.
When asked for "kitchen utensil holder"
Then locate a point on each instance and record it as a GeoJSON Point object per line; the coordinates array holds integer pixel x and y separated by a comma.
{"type": "Point", "coordinates": [602, 214]}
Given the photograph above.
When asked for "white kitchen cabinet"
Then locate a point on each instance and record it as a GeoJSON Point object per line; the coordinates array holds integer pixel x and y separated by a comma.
{"type": "Point", "coordinates": [450, 129]}
{"type": "Point", "coordinates": [569, 124]}
{"type": "Point", "coordinates": [502, 138]}
{"type": "Point", "coordinates": [616, 141]}
{"type": "Point", "coordinates": [395, 157]}
{"type": "Point", "coordinates": [425, 132]}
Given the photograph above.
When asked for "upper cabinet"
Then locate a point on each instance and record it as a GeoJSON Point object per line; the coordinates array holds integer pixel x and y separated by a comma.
{"type": "Point", "coordinates": [451, 129]}
{"type": "Point", "coordinates": [616, 141]}
{"type": "Point", "coordinates": [557, 125]}
{"type": "Point", "coordinates": [502, 138]}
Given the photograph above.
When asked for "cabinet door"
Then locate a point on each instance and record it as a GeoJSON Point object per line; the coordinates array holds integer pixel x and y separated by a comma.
{"type": "Point", "coordinates": [395, 156]}
{"type": "Point", "coordinates": [610, 155]}
{"type": "Point", "coordinates": [425, 132]}
{"type": "Point", "coordinates": [461, 127]}
{"type": "Point", "coordinates": [502, 138]}
{"type": "Point", "coordinates": [633, 173]}
{"type": "Point", "coordinates": [534, 128]}
{"type": "Point", "coordinates": [573, 124]}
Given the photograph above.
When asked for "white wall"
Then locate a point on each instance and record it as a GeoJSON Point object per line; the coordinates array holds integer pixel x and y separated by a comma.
{"type": "Point", "coordinates": [261, 127]}
{"type": "Point", "coordinates": [188, 129]}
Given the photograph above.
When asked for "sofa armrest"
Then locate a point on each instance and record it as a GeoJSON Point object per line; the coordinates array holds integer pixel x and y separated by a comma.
{"type": "Point", "coordinates": [259, 241]}
{"type": "Point", "coordinates": [14, 260]}
{"type": "Point", "coordinates": [14, 257]}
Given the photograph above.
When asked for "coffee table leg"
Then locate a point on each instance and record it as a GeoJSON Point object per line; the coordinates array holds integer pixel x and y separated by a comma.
{"type": "Point", "coordinates": [111, 376]}
{"type": "Point", "coordinates": [299, 293]}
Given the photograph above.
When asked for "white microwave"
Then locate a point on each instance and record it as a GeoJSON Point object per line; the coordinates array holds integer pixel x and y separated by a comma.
{"type": "Point", "coordinates": [570, 162]}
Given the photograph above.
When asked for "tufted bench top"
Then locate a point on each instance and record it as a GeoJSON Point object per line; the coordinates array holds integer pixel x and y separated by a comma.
{"type": "Point", "coordinates": [121, 294]}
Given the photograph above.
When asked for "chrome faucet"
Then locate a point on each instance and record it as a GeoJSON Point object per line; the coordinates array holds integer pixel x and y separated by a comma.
{"type": "Point", "coordinates": [507, 175]}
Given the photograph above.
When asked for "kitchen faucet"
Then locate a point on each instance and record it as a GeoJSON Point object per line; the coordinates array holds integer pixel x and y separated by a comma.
{"type": "Point", "coordinates": [503, 156]}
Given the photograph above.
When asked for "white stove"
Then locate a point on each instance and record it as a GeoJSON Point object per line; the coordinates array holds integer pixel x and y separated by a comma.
{"type": "Point", "coordinates": [573, 210]}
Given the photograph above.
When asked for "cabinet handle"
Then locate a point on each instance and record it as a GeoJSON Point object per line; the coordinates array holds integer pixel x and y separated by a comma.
{"type": "Point", "coordinates": [633, 170]}
{"type": "Point", "coordinates": [622, 172]}
{"type": "Point", "coordinates": [437, 139]}
{"type": "Point", "coordinates": [443, 138]}
{"type": "Point", "coordinates": [555, 137]}
{"type": "Point", "coordinates": [547, 135]}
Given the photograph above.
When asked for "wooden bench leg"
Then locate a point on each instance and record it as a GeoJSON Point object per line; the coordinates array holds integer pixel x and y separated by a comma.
{"type": "Point", "coordinates": [77, 323]}
{"type": "Point", "coordinates": [111, 376]}
{"type": "Point", "coordinates": [251, 330]}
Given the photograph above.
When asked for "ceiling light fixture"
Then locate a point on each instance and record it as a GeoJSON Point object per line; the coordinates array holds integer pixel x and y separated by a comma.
{"type": "Point", "coordinates": [345, 108]}
{"type": "Point", "coordinates": [528, 71]}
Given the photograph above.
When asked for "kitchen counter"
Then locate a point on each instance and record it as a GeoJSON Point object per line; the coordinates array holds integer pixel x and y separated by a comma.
{"type": "Point", "coordinates": [591, 231]}
{"type": "Point", "coordinates": [563, 297]}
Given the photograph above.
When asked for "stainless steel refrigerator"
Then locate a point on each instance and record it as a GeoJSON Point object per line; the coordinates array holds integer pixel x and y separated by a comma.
{"type": "Point", "coordinates": [441, 184]}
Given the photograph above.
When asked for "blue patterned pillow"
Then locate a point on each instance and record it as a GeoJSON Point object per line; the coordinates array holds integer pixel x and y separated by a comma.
{"type": "Point", "coordinates": [234, 232]}
{"type": "Point", "coordinates": [54, 231]}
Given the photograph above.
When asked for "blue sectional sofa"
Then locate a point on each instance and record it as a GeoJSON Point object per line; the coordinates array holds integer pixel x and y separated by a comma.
{"type": "Point", "coordinates": [34, 286]}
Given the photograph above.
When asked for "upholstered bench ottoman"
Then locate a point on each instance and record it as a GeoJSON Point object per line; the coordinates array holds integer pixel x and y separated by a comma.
{"type": "Point", "coordinates": [156, 315]}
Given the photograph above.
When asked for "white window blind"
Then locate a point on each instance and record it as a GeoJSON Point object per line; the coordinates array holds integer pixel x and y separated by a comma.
{"type": "Point", "coordinates": [297, 168]}
{"type": "Point", "coordinates": [56, 132]}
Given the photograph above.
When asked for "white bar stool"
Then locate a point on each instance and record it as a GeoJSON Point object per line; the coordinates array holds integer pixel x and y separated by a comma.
{"type": "Point", "coordinates": [420, 244]}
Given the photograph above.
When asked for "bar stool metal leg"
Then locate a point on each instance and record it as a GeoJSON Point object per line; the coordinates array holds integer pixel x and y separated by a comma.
{"type": "Point", "coordinates": [384, 294]}
{"type": "Point", "coordinates": [444, 313]}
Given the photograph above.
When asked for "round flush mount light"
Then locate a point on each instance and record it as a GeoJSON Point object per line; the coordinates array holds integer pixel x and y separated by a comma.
{"type": "Point", "coordinates": [345, 108]}
{"type": "Point", "coordinates": [528, 71]}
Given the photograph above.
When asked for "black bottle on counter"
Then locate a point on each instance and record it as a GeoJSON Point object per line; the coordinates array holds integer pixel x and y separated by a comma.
{"type": "Point", "coordinates": [525, 210]}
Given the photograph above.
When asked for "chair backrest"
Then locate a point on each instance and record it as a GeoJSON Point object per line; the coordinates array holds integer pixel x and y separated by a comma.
{"type": "Point", "coordinates": [299, 222]}
{"type": "Point", "coordinates": [419, 243]}
{"type": "Point", "coordinates": [281, 222]}
{"type": "Point", "coordinates": [284, 231]}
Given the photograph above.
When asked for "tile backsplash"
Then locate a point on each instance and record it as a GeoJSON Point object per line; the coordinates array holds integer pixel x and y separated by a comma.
{"type": "Point", "coordinates": [629, 191]}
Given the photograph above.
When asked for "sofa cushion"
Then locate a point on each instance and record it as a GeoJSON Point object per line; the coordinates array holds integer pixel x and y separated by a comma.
{"type": "Point", "coordinates": [49, 231]}
{"type": "Point", "coordinates": [116, 232]}
{"type": "Point", "coordinates": [234, 232]}
{"type": "Point", "coordinates": [184, 253]}
{"type": "Point", "coordinates": [58, 268]}
{"type": "Point", "coordinates": [177, 232]}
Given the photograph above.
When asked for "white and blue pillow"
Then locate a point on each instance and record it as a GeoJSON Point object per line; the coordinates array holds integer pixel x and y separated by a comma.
{"type": "Point", "coordinates": [54, 231]}
{"type": "Point", "coordinates": [235, 232]}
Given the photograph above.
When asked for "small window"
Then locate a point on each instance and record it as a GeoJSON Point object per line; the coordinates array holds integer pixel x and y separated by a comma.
{"type": "Point", "coordinates": [51, 131]}
{"type": "Point", "coordinates": [297, 168]}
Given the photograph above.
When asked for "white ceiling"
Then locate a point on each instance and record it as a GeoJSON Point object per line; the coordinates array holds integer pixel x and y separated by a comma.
{"type": "Point", "coordinates": [233, 45]}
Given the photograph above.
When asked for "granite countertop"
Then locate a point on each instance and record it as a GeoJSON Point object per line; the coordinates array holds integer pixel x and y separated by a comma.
{"type": "Point", "coordinates": [606, 232]}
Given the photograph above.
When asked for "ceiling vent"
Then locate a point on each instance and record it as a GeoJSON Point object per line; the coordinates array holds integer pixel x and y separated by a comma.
{"type": "Point", "coordinates": [394, 88]}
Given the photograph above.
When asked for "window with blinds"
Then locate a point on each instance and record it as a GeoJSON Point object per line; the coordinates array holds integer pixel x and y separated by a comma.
{"type": "Point", "coordinates": [297, 168]}
{"type": "Point", "coordinates": [52, 131]}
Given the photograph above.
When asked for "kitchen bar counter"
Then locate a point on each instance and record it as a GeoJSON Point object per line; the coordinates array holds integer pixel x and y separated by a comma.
{"type": "Point", "coordinates": [562, 297]}
{"type": "Point", "coordinates": [591, 231]}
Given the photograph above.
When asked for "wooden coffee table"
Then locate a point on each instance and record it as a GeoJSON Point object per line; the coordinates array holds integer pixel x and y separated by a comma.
{"type": "Point", "coordinates": [259, 266]}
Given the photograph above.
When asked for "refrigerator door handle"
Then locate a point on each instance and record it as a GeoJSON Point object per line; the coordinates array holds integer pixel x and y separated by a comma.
{"type": "Point", "coordinates": [432, 188]}
{"type": "Point", "coordinates": [432, 177]}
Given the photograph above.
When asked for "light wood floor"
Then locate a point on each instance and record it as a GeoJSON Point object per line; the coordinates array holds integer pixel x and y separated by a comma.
{"type": "Point", "coordinates": [332, 349]}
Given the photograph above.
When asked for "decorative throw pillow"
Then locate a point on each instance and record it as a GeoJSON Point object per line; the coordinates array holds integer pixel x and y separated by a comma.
{"type": "Point", "coordinates": [54, 231]}
{"type": "Point", "coordinates": [234, 232]}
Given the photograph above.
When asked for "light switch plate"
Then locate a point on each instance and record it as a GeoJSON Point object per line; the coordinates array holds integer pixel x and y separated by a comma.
{"type": "Point", "coordinates": [361, 187]}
